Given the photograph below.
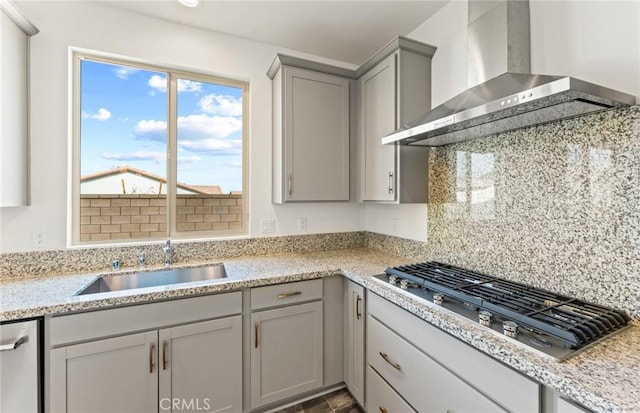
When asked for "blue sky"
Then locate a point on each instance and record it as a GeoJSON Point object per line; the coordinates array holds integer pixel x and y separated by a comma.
{"type": "Point", "coordinates": [124, 118]}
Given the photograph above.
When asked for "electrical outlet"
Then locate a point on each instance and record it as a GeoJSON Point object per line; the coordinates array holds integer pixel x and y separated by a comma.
{"type": "Point", "coordinates": [268, 226]}
{"type": "Point", "coordinates": [40, 238]}
{"type": "Point", "coordinates": [302, 224]}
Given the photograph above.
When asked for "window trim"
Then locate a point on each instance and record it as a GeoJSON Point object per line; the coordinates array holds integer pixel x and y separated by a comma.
{"type": "Point", "coordinates": [173, 73]}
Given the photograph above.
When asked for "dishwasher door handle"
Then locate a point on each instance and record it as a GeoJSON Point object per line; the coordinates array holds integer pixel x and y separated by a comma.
{"type": "Point", "coordinates": [14, 344]}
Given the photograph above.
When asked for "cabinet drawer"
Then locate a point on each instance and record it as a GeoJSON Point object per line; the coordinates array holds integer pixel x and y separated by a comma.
{"type": "Point", "coordinates": [104, 323]}
{"type": "Point", "coordinates": [513, 390]}
{"type": "Point", "coordinates": [425, 384]}
{"type": "Point", "coordinates": [284, 294]}
{"type": "Point", "coordinates": [381, 397]}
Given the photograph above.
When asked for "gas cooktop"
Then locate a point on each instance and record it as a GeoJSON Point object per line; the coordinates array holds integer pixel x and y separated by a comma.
{"type": "Point", "coordinates": [553, 324]}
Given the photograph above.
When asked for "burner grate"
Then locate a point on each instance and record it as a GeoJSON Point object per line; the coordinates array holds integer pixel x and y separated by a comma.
{"type": "Point", "coordinates": [575, 322]}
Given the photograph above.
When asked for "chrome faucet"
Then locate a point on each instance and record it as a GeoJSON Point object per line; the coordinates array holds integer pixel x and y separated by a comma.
{"type": "Point", "coordinates": [167, 253]}
{"type": "Point", "coordinates": [142, 260]}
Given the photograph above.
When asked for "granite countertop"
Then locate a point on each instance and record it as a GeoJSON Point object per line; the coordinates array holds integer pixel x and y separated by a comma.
{"type": "Point", "coordinates": [605, 378]}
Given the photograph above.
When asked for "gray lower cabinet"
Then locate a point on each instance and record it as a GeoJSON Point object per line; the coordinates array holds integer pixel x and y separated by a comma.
{"type": "Point", "coordinates": [106, 361]}
{"type": "Point", "coordinates": [186, 368]}
{"type": "Point", "coordinates": [354, 340]}
{"type": "Point", "coordinates": [286, 352]}
{"type": "Point", "coordinates": [426, 385]}
{"type": "Point", "coordinates": [434, 372]}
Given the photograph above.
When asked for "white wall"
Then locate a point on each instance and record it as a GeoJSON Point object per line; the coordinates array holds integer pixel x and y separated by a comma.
{"type": "Point", "coordinates": [103, 28]}
{"type": "Point", "coordinates": [447, 30]}
{"type": "Point", "coordinates": [597, 41]}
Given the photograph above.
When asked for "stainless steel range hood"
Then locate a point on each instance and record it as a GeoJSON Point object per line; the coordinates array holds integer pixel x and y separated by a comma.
{"type": "Point", "coordinates": [511, 98]}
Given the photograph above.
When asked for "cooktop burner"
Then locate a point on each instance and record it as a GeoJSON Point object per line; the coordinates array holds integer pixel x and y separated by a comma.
{"type": "Point", "coordinates": [553, 324]}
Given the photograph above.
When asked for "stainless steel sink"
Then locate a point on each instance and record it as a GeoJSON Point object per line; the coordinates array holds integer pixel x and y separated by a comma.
{"type": "Point", "coordinates": [111, 283]}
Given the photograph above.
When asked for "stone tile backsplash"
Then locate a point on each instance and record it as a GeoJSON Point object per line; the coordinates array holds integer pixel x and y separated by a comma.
{"type": "Point", "coordinates": [556, 206]}
{"type": "Point", "coordinates": [44, 263]}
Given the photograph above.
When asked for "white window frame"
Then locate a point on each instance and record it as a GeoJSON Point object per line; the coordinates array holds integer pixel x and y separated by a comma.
{"type": "Point", "coordinates": [173, 73]}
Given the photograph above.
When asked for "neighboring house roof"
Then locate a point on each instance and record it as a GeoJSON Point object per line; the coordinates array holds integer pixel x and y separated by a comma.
{"type": "Point", "coordinates": [198, 189]}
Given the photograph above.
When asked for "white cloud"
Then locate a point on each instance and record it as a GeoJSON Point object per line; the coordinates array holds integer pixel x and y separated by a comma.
{"type": "Point", "coordinates": [136, 156]}
{"type": "Point", "coordinates": [102, 115]}
{"type": "Point", "coordinates": [196, 133]}
{"type": "Point", "coordinates": [123, 72]}
{"type": "Point", "coordinates": [151, 126]}
{"type": "Point", "coordinates": [209, 145]}
{"type": "Point", "coordinates": [221, 105]}
{"type": "Point", "coordinates": [188, 86]}
{"type": "Point", "coordinates": [199, 127]}
{"type": "Point", "coordinates": [159, 83]}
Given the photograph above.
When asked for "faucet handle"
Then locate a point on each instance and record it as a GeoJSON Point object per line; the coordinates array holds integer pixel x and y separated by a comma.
{"type": "Point", "coordinates": [142, 260]}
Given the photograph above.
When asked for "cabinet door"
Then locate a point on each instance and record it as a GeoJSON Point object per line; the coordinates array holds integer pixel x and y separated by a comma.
{"type": "Point", "coordinates": [378, 118]}
{"type": "Point", "coordinates": [316, 136]}
{"type": "Point", "coordinates": [286, 352]}
{"type": "Point", "coordinates": [354, 324]}
{"type": "Point", "coordinates": [112, 375]}
{"type": "Point", "coordinates": [14, 47]}
{"type": "Point", "coordinates": [200, 366]}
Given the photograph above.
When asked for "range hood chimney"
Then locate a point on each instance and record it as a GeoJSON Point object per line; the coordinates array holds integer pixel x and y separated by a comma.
{"type": "Point", "coordinates": [502, 93]}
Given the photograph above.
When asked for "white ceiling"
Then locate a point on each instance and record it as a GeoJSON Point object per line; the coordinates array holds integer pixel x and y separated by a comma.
{"type": "Point", "coordinates": [350, 31]}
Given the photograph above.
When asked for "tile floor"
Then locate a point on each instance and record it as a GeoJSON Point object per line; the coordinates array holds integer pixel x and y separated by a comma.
{"type": "Point", "coordinates": [339, 401]}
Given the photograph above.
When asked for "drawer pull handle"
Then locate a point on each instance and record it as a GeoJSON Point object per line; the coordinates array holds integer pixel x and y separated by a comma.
{"type": "Point", "coordinates": [14, 344]}
{"type": "Point", "coordinates": [151, 350]}
{"type": "Point", "coordinates": [385, 356]}
{"type": "Point", "coordinates": [358, 313]}
{"type": "Point", "coordinates": [164, 355]}
{"type": "Point", "coordinates": [287, 295]}
{"type": "Point", "coordinates": [383, 410]}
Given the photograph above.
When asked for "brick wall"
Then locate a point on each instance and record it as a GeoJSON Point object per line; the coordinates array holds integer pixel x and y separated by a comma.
{"type": "Point", "coordinates": [110, 217]}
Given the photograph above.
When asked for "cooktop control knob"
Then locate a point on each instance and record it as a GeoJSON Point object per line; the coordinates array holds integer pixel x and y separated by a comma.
{"type": "Point", "coordinates": [484, 318]}
{"type": "Point", "coordinates": [393, 279]}
{"type": "Point", "coordinates": [510, 329]}
{"type": "Point", "coordinates": [404, 284]}
{"type": "Point", "coordinates": [438, 298]}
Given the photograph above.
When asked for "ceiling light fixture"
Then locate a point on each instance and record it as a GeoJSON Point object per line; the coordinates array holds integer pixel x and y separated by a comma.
{"type": "Point", "coordinates": [190, 3]}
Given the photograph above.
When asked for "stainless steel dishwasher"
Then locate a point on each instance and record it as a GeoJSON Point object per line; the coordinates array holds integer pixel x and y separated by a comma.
{"type": "Point", "coordinates": [20, 362]}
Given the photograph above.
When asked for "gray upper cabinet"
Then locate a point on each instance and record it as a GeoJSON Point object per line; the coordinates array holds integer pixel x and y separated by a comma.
{"type": "Point", "coordinates": [14, 70]}
{"type": "Point", "coordinates": [310, 131]}
{"type": "Point", "coordinates": [394, 88]}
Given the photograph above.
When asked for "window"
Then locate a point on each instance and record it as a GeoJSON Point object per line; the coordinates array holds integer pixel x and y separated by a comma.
{"type": "Point", "coordinates": [157, 153]}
